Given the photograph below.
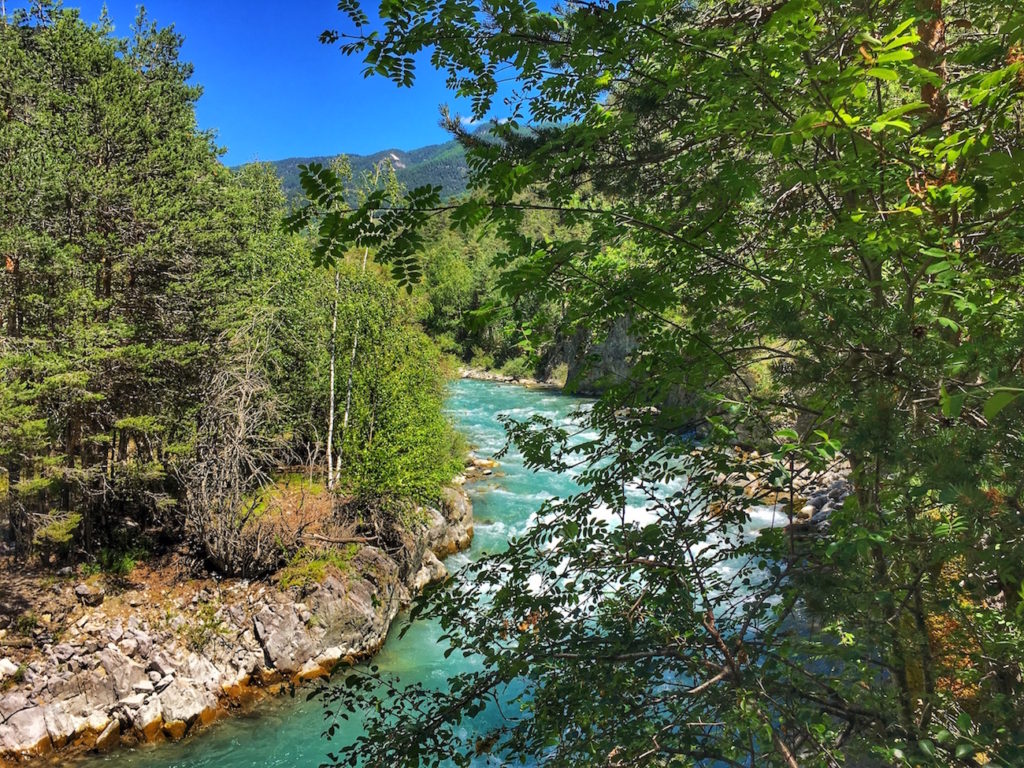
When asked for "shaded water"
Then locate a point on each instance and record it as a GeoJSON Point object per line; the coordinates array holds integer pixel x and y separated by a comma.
{"type": "Point", "coordinates": [288, 732]}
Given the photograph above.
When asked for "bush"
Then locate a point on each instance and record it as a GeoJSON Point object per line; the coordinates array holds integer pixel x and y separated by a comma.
{"type": "Point", "coordinates": [56, 535]}
{"type": "Point", "coordinates": [521, 367]}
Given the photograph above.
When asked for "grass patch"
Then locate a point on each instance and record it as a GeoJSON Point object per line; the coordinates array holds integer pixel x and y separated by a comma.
{"type": "Point", "coordinates": [26, 624]}
{"type": "Point", "coordinates": [282, 486]}
{"type": "Point", "coordinates": [308, 566]}
{"type": "Point", "coordinates": [200, 633]}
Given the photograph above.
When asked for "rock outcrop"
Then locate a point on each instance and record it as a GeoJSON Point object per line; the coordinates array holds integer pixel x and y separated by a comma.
{"type": "Point", "coordinates": [140, 676]}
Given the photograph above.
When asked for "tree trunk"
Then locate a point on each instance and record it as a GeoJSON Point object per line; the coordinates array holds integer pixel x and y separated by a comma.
{"type": "Point", "coordinates": [330, 411]}
{"type": "Point", "coordinates": [351, 370]}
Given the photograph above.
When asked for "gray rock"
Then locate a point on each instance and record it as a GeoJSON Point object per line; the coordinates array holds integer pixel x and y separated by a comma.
{"type": "Point", "coordinates": [286, 641]}
{"type": "Point", "coordinates": [109, 738]}
{"type": "Point", "coordinates": [129, 646]}
{"type": "Point", "coordinates": [185, 701]}
{"type": "Point", "coordinates": [64, 652]}
{"type": "Point", "coordinates": [124, 672]}
{"type": "Point", "coordinates": [145, 644]}
{"type": "Point", "coordinates": [432, 570]}
{"type": "Point", "coordinates": [90, 594]}
{"type": "Point", "coordinates": [134, 701]}
{"type": "Point", "coordinates": [162, 663]}
{"type": "Point", "coordinates": [25, 731]}
{"type": "Point", "coordinates": [62, 722]}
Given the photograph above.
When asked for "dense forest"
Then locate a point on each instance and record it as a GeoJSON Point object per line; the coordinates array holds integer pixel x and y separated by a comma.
{"type": "Point", "coordinates": [168, 353]}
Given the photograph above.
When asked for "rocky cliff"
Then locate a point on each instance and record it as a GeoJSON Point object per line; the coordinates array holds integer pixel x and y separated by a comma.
{"type": "Point", "coordinates": [145, 666]}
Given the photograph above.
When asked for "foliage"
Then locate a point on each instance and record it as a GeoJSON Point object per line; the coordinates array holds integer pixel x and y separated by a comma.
{"type": "Point", "coordinates": [55, 535]}
{"type": "Point", "coordinates": [398, 442]}
{"type": "Point", "coordinates": [203, 628]}
{"type": "Point", "coordinates": [109, 204]}
{"type": "Point", "coordinates": [308, 566]}
{"type": "Point", "coordinates": [831, 189]}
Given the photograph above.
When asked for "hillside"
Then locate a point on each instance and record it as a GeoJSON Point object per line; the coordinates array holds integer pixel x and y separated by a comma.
{"type": "Point", "coordinates": [443, 164]}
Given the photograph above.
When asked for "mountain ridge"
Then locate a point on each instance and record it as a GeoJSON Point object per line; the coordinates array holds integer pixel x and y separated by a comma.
{"type": "Point", "coordinates": [439, 164]}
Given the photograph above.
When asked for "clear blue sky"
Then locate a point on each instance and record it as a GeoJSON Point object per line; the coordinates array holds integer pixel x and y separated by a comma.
{"type": "Point", "coordinates": [271, 90]}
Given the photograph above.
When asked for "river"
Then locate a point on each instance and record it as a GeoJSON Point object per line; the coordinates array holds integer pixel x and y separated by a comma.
{"type": "Point", "coordinates": [287, 732]}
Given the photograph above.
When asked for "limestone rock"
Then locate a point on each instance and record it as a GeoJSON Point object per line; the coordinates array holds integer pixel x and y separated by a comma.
{"type": "Point", "coordinates": [109, 738]}
{"type": "Point", "coordinates": [285, 638]}
{"type": "Point", "coordinates": [430, 571]}
{"type": "Point", "coordinates": [90, 594]}
{"type": "Point", "coordinates": [185, 701]}
{"type": "Point", "coordinates": [25, 731]}
{"type": "Point", "coordinates": [124, 672]}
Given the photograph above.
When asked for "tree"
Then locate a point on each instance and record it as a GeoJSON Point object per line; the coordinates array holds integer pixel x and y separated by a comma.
{"type": "Point", "coordinates": [811, 213]}
{"type": "Point", "coordinates": [107, 185]}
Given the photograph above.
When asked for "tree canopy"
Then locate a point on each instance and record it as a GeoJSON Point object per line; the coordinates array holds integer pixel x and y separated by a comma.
{"type": "Point", "coordinates": [165, 344]}
{"type": "Point", "coordinates": [809, 213]}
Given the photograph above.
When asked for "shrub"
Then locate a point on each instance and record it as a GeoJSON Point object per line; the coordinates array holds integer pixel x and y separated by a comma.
{"type": "Point", "coordinates": [56, 535]}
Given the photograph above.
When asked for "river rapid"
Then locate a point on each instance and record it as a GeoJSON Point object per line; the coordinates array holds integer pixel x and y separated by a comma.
{"type": "Point", "coordinates": [287, 732]}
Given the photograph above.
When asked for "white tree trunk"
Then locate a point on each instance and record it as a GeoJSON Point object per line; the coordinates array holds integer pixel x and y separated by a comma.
{"type": "Point", "coordinates": [330, 410]}
{"type": "Point", "coordinates": [351, 370]}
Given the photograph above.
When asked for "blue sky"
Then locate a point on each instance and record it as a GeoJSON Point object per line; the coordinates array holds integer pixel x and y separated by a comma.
{"type": "Point", "coordinates": [271, 90]}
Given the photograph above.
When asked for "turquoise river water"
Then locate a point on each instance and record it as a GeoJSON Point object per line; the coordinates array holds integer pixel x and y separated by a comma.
{"type": "Point", "coordinates": [287, 732]}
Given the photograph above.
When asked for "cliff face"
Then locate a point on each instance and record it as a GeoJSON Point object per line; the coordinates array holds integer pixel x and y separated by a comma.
{"type": "Point", "coordinates": [143, 667]}
{"type": "Point", "coordinates": [597, 361]}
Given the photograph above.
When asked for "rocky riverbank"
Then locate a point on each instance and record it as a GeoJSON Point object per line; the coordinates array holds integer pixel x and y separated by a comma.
{"type": "Point", "coordinates": [159, 661]}
{"type": "Point", "coordinates": [809, 502]}
{"type": "Point", "coordinates": [481, 374]}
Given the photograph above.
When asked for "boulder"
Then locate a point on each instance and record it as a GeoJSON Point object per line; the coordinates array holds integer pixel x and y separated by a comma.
{"type": "Point", "coordinates": [25, 732]}
{"type": "Point", "coordinates": [124, 672]}
{"type": "Point", "coordinates": [430, 571]}
{"type": "Point", "coordinates": [109, 738]}
{"type": "Point", "coordinates": [185, 701]}
{"type": "Point", "coordinates": [63, 722]}
{"type": "Point", "coordinates": [148, 719]}
{"type": "Point", "coordinates": [90, 594]}
{"type": "Point", "coordinates": [287, 643]}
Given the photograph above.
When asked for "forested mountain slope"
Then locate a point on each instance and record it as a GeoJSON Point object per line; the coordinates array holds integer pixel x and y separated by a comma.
{"type": "Point", "coordinates": [438, 164]}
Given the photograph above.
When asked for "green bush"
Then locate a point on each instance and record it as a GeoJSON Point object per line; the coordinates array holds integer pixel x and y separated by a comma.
{"type": "Point", "coordinates": [521, 367]}
{"type": "Point", "coordinates": [56, 536]}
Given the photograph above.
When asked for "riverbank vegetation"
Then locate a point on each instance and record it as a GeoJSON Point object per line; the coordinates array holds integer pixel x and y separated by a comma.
{"type": "Point", "coordinates": [809, 216]}
{"type": "Point", "coordinates": [169, 355]}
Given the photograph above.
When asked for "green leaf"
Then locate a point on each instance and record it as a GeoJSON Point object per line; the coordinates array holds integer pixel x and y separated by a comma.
{"type": "Point", "coordinates": [882, 74]}
{"type": "Point", "coordinates": [927, 748]}
{"type": "Point", "coordinates": [998, 401]}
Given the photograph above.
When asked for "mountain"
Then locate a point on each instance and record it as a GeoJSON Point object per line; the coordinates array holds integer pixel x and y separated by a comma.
{"type": "Point", "coordinates": [443, 164]}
